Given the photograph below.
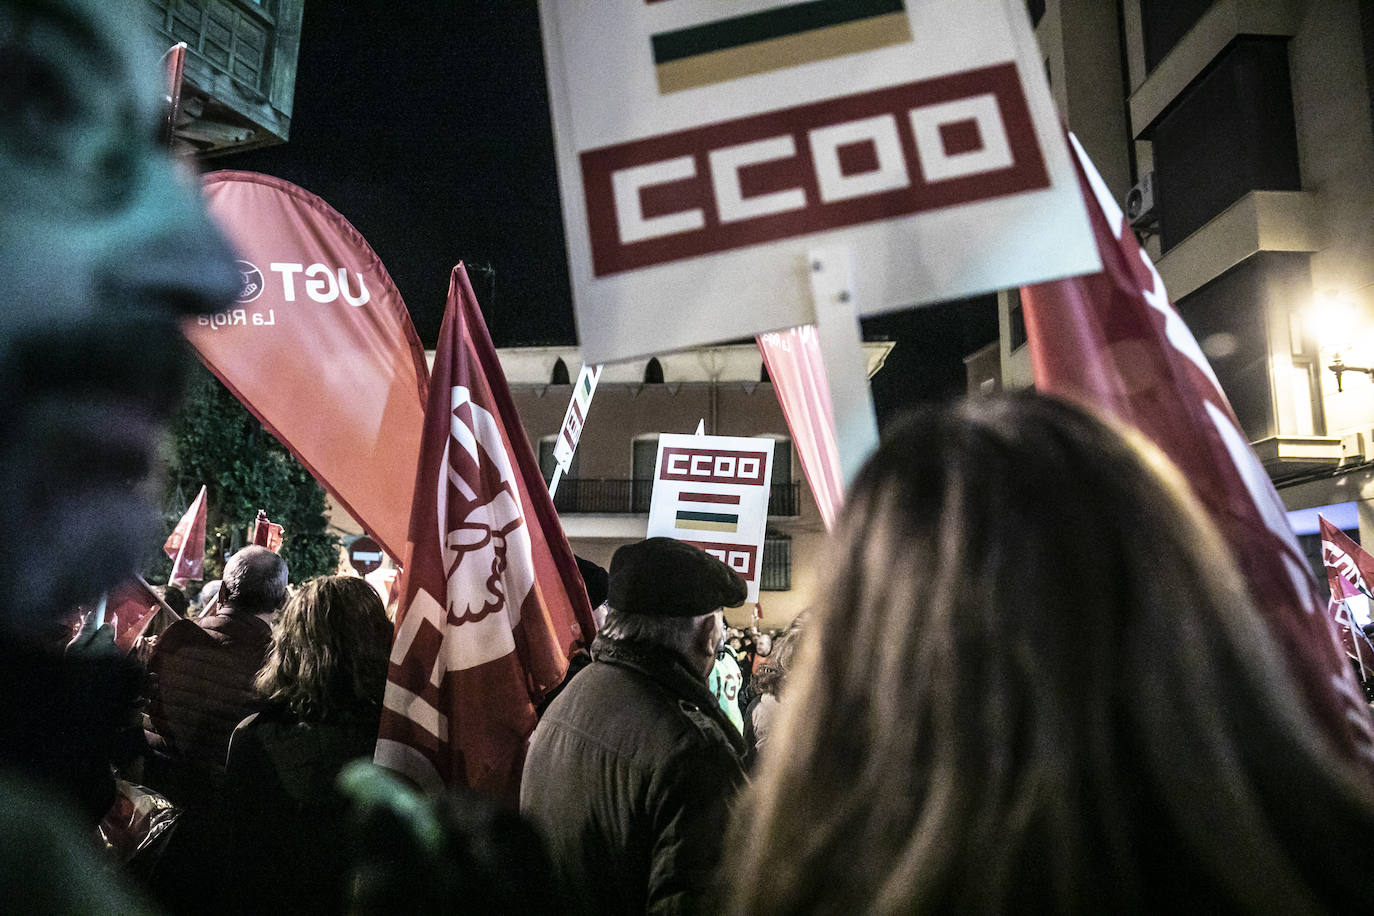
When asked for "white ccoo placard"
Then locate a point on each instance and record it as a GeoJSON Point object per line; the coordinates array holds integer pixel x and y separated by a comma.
{"type": "Point", "coordinates": [705, 146]}
{"type": "Point", "coordinates": [712, 492]}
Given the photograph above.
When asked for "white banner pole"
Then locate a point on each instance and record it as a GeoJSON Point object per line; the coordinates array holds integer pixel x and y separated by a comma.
{"type": "Point", "coordinates": [846, 368]}
{"type": "Point", "coordinates": [553, 484]}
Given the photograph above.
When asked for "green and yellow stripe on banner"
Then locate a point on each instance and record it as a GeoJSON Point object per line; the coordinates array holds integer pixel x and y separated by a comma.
{"type": "Point", "coordinates": [706, 521]}
{"type": "Point", "coordinates": [774, 39]}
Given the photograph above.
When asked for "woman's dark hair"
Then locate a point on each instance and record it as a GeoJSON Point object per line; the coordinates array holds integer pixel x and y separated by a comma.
{"type": "Point", "coordinates": [1041, 685]}
{"type": "Point", "coordinates": [329, 649]}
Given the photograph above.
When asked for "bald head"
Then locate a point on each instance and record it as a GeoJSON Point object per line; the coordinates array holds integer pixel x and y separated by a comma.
{"type": "Point", "coordinates": [254, 581]}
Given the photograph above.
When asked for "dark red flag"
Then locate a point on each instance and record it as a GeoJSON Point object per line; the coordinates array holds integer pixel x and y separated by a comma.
{"type": "Point", "coordinates": [265, 533]}
{"type": "Point", "coordinates": [185, 546]}
{"type": "Point", "coordinates": [1349, 570]}
{"type": "Point", "coordinates": [1113, 342]}
{"type": "Point", "coordinates": [492, 602]}
{"type": "Point", "coordinates": [129, 607]}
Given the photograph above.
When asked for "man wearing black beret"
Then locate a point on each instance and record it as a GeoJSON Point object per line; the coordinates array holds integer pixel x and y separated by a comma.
{"type": "Point", "coordinates": [631, 769]}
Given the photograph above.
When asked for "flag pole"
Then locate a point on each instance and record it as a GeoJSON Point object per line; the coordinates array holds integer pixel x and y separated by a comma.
{"type": "Point", "coordinates": [553, 484]}
{"type": "Point", "coordinates": [846, 369]}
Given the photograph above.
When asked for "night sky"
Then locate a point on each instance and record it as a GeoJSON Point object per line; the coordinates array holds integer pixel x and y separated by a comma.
{"type": "Point", "coordinates": [426, 124]}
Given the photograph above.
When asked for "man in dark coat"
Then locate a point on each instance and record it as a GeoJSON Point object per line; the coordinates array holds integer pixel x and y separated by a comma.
{"type": "Point", "coordinates": [200, 686]}
{"type": "Point", "coordinates": [631, 770]}
{"type": "Point", "coordinates": [201, 679]}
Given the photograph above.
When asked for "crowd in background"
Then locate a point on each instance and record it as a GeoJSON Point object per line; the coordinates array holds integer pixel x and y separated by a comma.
{"type": "Point", "coordinates": [1033, 678]}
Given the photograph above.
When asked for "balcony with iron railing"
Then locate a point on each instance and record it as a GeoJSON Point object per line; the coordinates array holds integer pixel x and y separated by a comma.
{"type": "Point", "coordinates": [631, 497]}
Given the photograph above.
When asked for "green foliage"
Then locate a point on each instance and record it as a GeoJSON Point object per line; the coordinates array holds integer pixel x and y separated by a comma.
{"type": "Point", "coordinates": [217, 442]}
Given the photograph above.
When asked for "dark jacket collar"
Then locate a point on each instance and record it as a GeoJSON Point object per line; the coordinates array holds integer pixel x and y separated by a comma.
{"type": "Point", "coordinates": [671, 672]}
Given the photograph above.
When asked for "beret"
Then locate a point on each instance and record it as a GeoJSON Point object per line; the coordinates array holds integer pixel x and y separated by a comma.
{"type": "Point", "coordinates": [664, 577]}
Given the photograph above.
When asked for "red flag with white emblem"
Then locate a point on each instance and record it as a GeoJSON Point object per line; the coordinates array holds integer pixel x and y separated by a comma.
{"type": "Point", "coordinates": [1113, 342]}
{"type": "Point", "coordinates": [1349, 569]}
{"type": "Point", "coordinates": [185, 546]}
{"type": "Point", "coordinates": [492, 603]}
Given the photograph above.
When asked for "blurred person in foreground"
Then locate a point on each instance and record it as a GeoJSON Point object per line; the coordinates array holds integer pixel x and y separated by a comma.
{"type": "Point", "coordinates": [457, 853]}
{"type": "Point", "coordinates": [1042, 687]}
{"type": "Point", "coordinates": [322, 700]}
{"type": "Point", "coordinates": [104, 246]}
{"type": "Point", "coordinates": [631, 770]}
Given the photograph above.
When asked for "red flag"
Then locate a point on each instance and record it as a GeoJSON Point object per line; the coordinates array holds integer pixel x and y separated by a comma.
{"type": "Point", "coordinates": [128, 608]}
{"type": "Point", "coordinates": [1349, 569]}
{"type": "Point", "coordinates": [320, 347]}
{"type": "Point", "coordinates": [793, 358]}
{"type": "Point", "coordinates": [492, 602]}
{"type": "Point", "coordinates": [266, 534]}
{"type": "Point", "coordinates": [1113, 342]}
{"type": "Point", "coordinates": [185, 546]}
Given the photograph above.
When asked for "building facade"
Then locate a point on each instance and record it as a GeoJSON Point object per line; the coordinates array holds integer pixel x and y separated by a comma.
{"type": "Point", "coordinates": [1239, 137]}
{"type": "Point", "coordinates": [239, 81]}
{"type": "Point", "coordinates": [604, 502]}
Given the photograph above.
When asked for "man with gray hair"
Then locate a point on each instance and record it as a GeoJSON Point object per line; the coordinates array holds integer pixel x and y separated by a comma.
{"type": "Point", "coordinates": [201, 679]}
{"type": "Point", "coordinates": [631, 769]}
{"type": "Point", "coordinates": [200, 687]}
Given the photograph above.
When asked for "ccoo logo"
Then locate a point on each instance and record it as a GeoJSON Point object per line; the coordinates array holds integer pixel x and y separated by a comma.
{"type": "Point", "coordinates": [252, 282]}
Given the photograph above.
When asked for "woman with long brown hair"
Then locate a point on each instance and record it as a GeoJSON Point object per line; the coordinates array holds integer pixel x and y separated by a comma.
{"type": "Point", "coordinates": [322, 693]}
{"type": "Point", "coordinates": [1037, 683]}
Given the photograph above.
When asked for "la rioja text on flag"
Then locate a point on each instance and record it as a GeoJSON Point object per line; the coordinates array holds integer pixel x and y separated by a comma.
{"type": "Point", "coordinates": [319, 347]}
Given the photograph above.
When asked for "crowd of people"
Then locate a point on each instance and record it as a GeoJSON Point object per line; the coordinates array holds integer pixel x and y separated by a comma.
{"type": "Point", "coordinates": [1033, 678]}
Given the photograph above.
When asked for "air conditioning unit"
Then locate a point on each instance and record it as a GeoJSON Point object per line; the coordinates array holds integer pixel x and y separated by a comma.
{"type": "Point", "coordinates": [1140, 203]}
{"type": "Point", "coordinates": [1353, 447]}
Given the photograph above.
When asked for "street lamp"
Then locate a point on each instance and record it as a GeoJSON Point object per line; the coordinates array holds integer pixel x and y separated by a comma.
{"type": "Point", "coordinates": [1339, 367]}
{"type": "Point", "coordinates": [1336, 324]}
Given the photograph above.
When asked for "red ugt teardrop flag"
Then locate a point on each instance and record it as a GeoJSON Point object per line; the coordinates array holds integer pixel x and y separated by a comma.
{"type": "Point", "coordinates": [1113, 342]}
{"type": "Point", "coordinates": [320, 347]}
{"type": "Point", "coordinates": [492, 602]}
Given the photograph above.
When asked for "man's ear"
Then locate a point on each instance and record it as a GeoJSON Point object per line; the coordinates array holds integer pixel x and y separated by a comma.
{"type": "Point", "coordinates": [706, 633]}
